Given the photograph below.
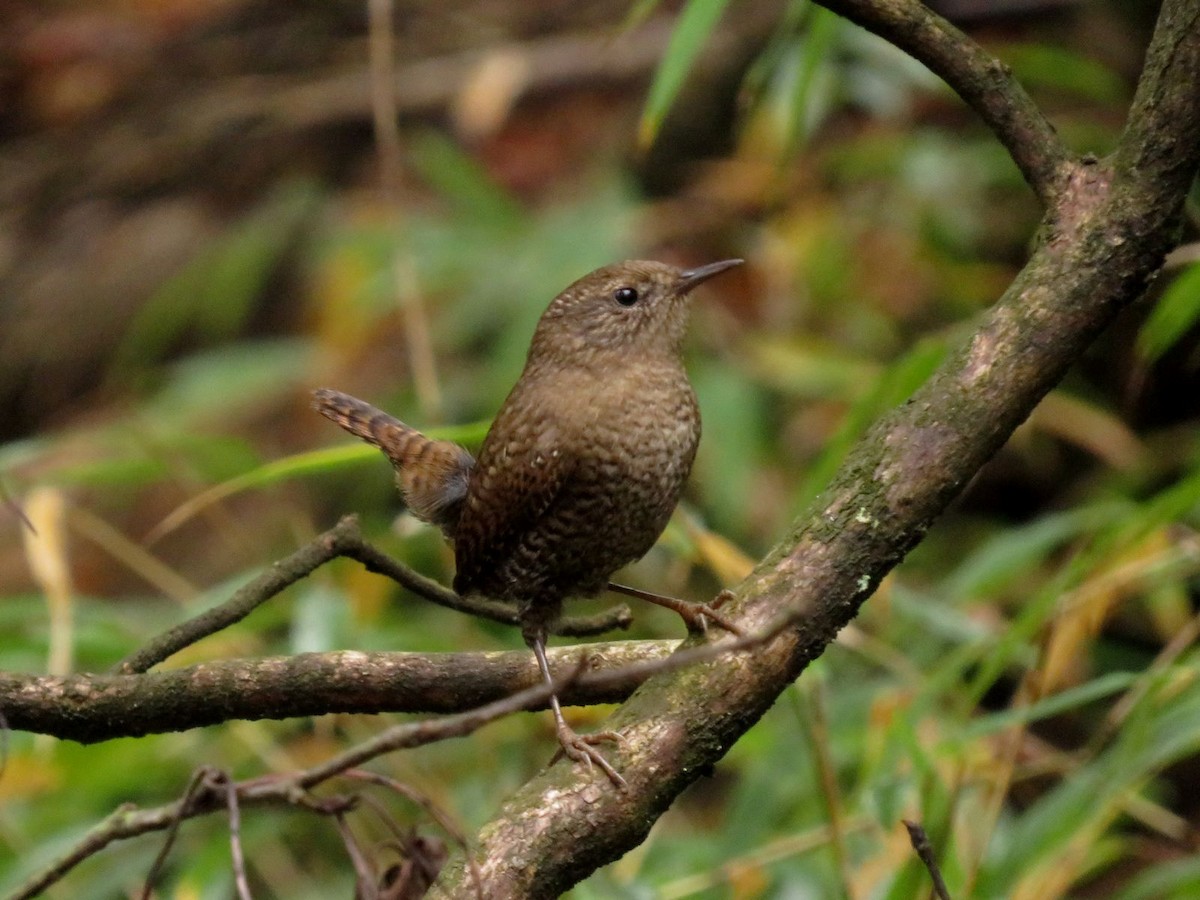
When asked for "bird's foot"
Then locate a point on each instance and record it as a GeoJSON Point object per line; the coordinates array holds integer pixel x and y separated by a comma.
{"type": "Point", "coordinates": [697, 615]}
{"type": "Point", "coordinates": [581, 748]}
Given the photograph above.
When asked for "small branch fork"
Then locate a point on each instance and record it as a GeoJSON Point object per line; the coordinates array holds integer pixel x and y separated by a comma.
{"type": "Point", "coordinates": [211, 790]}
{"type": "Point", "coordinates": [344, 539]}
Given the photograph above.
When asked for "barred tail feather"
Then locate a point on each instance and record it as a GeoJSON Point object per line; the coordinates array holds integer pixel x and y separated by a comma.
{"type": "Point", "coordinates": [432, 475]}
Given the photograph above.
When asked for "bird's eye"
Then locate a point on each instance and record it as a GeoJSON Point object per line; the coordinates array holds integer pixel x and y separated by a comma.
{"type": "Point", "coordinates": [626, 296]}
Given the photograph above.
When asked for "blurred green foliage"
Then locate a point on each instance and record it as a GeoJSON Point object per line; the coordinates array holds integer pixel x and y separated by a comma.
{"type": "Point", "coordinates": [1022, 685]}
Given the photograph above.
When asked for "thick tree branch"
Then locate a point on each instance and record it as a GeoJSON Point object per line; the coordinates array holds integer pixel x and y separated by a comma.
{"type": "Point", "coordinates": [1103, 243]}
{"type": "Point", "coordinates": [1157, 151]}
{"type": "Point", "coordinates": [91, 708]}
{"type": "Point", "coordinates": [985, 83]}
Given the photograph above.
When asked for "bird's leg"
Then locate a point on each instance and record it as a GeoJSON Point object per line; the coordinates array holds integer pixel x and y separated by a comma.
{"type": "Point", "coordinates": [694, 615]}
{"type": "Point", "coordinates": [579, 747]}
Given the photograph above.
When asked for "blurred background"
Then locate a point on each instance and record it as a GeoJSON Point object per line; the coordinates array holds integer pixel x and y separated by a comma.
{"type": "Point", "coordinates": [210, 207]}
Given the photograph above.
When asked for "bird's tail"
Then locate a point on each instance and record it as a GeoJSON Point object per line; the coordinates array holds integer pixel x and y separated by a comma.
{"type": "Point", "coordinates": [432, 475]}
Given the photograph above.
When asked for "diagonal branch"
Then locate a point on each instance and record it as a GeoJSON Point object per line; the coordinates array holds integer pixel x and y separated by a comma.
{"type": "Point", "coordinates": [1156, 148]}
{"type": "Point", "coordinates": [985, 83]}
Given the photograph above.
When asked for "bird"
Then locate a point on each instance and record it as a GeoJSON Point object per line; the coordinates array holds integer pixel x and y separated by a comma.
{"type": "Point", "coordinates": [582, 466]}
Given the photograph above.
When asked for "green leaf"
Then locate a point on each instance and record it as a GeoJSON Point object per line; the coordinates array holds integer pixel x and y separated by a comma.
{"type": "Point", "coordinates": [895, 385]}
{"type": "Point", "coordinates": [1013, 553]}
{"type": "Point", "coordinates": [1072, 698]}
{"type": "Point", "coordinates": [695, 24]}
{"type": "Point", "coordinates": [812, 53]}
{"type": "Point", "coordinates": [218, 384]}
{"type": "Point", "coordinates": [214, 294]}
{"type": "Point", "coordinates": [639, 13]}
{"type": "Point", "coordinates": [319, 619]}
{"type": "Point", "coordinates": [1123, 531]}
{"type": "Point", "coordinates": [462, 181]}
{"type": "Point", "coordinates": [1177, 878]}
{"type": "Point", "coordinates": [811, 369]}
{"type": "Point", "coordinates": [1041, 65]}
{"type": "Point", "coordinates": [735, 409]}
{"type": "Point", "coordinates": [1175, 313]}
{"type": "Point", "coordinates": [1163, 729]}
{"type": "Point", "coordinates": [296, 465]}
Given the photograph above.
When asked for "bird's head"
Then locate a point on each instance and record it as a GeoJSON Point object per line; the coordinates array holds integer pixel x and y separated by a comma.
{"type": "Point", "coordinates": [636, 307]}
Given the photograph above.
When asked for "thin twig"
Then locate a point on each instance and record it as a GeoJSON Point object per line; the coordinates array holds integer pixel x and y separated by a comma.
{"type": "Point", "coordinates": [920, 842]}
{"type": "Point", "coordinates": [244, 601]}
{"type": "Point", "coordinates": [420, 867]}
{"type": "Point", "coordinates": [355, 547]}
{"type": "Point", "coordinates": [443, 819]}
{"type": "Point", "coordinates": [415, 734]}
{"type": "Point", "coordinates": [10, 503]}
{"type": "Point", "coordinates": [421, 858]}
{"type": "Point", "coordinates": [235, 833]}
{"type": "Point", "coordinates": [364, 875]}
{"type": "Point", "coordinates": [344, 539]}
{"type": "Point", "coordinates": [194, 784]}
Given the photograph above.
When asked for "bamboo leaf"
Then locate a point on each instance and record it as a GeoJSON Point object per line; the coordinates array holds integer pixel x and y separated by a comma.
{"type": "Point", "coordinates": [696, 23]}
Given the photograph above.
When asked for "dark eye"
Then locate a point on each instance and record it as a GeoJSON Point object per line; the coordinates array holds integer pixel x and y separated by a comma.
{"type": "Point", "coordinates": [626, 296]}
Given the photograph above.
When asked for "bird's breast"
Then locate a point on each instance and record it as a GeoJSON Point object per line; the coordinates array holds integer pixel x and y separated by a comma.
{"type": "Point", "coordinates": [640, 437]}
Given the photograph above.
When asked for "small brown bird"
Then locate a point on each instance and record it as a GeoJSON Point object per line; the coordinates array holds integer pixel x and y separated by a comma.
{"type": "Point", "coordinates": [583, 464]}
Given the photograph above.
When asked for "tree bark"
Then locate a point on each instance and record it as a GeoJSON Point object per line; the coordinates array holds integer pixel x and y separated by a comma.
{"type": "Point", "coordinates": [90, 708]}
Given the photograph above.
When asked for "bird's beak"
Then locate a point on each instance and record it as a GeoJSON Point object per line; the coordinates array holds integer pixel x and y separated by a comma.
{"type": "Point", "coordinates": [693, 277]}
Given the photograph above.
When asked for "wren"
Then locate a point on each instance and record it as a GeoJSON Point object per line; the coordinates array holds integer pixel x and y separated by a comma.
{"type": "Point", "coordinates": [581, 468]}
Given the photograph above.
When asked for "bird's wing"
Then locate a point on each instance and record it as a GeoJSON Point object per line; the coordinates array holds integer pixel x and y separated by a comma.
{"type": "Point", "coordinates": [519, 475]}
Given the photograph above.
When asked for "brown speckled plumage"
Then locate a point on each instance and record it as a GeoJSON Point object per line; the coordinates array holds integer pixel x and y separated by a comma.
{"type": "Point", "coordinates": [583, 464]}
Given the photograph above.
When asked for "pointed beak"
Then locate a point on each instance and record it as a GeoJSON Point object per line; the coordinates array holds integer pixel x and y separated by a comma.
{"type": "Point", "coordinates": [693, 277]}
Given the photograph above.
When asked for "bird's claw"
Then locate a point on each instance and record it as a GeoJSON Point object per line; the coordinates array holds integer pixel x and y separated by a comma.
{"type": "Point", "coordinates": [697, 615]}
{"type": "Point", "coordinates": [581, 748]}
{"type": "Point", "coordinates": [722, 598]}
